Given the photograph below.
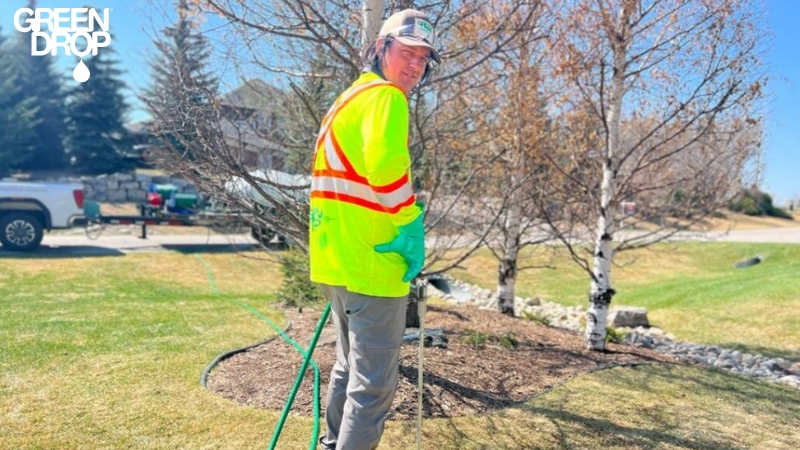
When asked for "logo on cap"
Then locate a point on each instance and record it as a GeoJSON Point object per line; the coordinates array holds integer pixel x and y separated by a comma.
{"type": "Point", "coordinates": [425, 26]}
{"type": "Point", "coordinates": [425, 30]}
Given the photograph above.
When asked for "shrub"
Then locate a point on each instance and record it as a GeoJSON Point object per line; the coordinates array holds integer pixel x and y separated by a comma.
{"type": "Point", "coordinates": [746, 205]}
{"type": "Point", "coordinates": [753, 202]}
{"type": "Point", "coordinates": [781, 213]}
{"type": "Point", "coordinates": [475, 338]}
{"type": "Point", "coordinates": [615, 336]}
{"type": "Point", "coordinates": [297, 288]}
{"type": "Point", "coordinates": [508, 341]}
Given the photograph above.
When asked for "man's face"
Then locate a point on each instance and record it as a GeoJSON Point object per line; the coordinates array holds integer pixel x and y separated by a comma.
{"type": "Point", "coordinates": [405, 65]}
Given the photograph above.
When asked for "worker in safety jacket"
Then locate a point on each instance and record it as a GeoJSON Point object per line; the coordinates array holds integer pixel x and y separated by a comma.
{"type": "Point", "coordinates": [367, 239]}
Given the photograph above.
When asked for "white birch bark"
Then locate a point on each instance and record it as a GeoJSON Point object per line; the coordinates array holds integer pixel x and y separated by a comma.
{"type": "Point", "coordinates": [507, 269]}
{"type": "Point", "coordinates": [600, 292]}
{"type": "Point", "coordinates": [372, 18]}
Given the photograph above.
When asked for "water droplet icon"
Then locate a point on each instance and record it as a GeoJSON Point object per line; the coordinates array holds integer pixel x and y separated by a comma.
{"type": "Point", "coordinates": [81, 72]}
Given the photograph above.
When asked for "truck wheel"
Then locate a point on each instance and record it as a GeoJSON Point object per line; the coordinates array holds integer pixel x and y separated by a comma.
{"type": "Point", "coordinates": [263, 235]}
{"type": "Point", "coordinates": [20, 232]}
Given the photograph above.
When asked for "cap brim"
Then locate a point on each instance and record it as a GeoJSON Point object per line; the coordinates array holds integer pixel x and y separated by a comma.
{"type": "Point", "coordinates": [417, 43]}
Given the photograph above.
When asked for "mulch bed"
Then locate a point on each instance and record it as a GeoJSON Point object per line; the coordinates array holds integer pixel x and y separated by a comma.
{"type": "Point", "coordinates": [463, 379]}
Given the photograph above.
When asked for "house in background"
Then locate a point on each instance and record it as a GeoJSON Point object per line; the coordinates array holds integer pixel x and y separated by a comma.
{"type": "Point", "coordinates": [248, 122]}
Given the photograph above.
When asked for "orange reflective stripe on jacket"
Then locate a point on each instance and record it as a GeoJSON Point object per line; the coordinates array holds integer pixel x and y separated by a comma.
{"type": "Point", "coordinates": [341, 102]}
{"type": "Point", "coordinates": [342, 182]}
{"type": "Point", "coordinates": [345, 190]}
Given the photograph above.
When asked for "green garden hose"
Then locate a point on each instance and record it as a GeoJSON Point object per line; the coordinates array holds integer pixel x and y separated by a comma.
{"type": "Point", "coordinates": [306, 360]}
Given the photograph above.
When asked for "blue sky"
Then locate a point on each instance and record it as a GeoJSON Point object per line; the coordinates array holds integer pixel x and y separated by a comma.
{"type": "Point", "coordinates": [782, 150]}
{"type": "Point", "coordinates": [133, 23]}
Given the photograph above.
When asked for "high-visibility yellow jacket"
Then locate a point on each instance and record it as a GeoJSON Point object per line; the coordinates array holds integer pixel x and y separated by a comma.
{"type": "Point", "coordinates": [361, 189]}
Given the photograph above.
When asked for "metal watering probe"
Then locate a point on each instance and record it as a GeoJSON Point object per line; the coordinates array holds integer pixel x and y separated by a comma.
{"type": "Point", "coordinates": [421, 309]}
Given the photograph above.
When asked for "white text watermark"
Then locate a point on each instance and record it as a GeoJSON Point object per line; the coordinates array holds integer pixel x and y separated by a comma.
{"type": "Point", "coordinates": [62, 28]}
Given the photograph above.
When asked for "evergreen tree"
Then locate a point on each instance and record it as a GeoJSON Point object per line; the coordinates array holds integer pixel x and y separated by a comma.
{"type": "Point", "coordinates": [41, 82]}
{"type": "Point", "coordinates": [97, 139]}
{"type": "Point", "coordinates": [17, 112]}
{"type": "Point", "coordinates": [181, 92]}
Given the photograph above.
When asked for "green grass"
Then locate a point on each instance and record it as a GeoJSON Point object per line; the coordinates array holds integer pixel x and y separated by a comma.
{"type": "Point", "coordinates": [101, 353]}
{"type": "Point", "coordinates": [108, 352]}
{"type": "Point", "coordinates": [647, 407]}
{"type": "Point", "coordinates": [691, 290]}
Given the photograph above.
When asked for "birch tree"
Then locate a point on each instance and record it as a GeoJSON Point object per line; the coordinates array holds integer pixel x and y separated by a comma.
{"type": "Point", "coordinates": [515, 129]}
{"type": "Point", "coordinates": [314, 41]}
{"type": "Point", "coordinates": [467, 135]}
{"type": "Point", "coordinates": [659, 79]}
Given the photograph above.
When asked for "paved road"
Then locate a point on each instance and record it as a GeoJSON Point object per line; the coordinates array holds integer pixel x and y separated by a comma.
{"type": "Point", "coordinates": [766, 235]}
{"type": "Point", "coordinates": [777, 235]}
{"type": "Point", "coordinates": [111, 245]}
{"type": "Point", "coordinates": [115, 245]}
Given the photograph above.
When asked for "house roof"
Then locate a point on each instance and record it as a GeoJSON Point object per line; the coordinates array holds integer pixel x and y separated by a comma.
{"type": "Point", "coordinates": [252, 94]}
{"type": "Point", "coordinates": [244, 134]}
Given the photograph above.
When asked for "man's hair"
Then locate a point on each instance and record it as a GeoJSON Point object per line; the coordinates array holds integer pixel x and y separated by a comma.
{"type": "Point", "coordinates": [374, 59]}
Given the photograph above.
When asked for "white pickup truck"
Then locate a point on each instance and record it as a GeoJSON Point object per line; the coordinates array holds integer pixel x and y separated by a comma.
{"type": "Point", "coordinates": [29, 208]}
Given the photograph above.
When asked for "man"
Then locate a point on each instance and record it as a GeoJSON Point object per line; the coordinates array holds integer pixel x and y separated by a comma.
{"type": "Point", "coordinates": [367, 239]}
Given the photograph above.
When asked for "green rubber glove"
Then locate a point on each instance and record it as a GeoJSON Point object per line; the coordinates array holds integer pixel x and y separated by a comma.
{"type": "Point", "coordinates": [410, 244]}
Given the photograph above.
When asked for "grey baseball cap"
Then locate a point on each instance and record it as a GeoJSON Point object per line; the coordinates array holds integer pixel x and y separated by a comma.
{"type": "Point", "coordinates": [412, 28]}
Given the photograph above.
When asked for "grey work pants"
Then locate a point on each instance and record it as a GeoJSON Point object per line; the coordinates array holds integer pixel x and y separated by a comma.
{"type": "Point", "coordinates": [369, 332]}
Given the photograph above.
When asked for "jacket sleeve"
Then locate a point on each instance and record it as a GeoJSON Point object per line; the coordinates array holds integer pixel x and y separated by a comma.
{"type": "Point", "coordinates": [384, 128]}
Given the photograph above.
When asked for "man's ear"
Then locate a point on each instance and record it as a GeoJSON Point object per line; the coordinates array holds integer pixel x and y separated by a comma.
{"type": "Point", "coordinates": [379, 45]}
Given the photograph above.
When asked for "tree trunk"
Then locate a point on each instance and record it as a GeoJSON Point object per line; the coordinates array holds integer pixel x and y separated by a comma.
{"type": "Point", "coordinates": [600, 293]}
{"type": "Point", "coordinates": [412, 313]}
{"type": "Point", "coordinates": [600, 289]}
{"type": "Point", "coordinates": [507, 270]}
{"type": "Point", "coordinates": [372, 18]}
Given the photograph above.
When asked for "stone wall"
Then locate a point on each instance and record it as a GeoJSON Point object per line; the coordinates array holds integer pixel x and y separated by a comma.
{"type": "Point", "coordinates": [128, 187]}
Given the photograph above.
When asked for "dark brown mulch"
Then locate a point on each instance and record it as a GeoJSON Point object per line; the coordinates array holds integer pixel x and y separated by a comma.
{"type": "Point", "coordinates": [463, 379]}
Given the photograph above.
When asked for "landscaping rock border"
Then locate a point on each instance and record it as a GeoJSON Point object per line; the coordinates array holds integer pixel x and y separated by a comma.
{"type": "Point", "coordinates": [767, 368]}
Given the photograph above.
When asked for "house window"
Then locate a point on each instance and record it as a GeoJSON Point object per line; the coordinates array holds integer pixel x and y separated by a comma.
{"type": "Point", "coordinates": [277, 162]}
{"type": "Point", "coordinates": [250, 159]}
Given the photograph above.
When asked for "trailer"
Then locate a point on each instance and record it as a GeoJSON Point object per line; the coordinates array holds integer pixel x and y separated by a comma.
{"type": "Point", "coordinates": [200, 219]}
{"type": "Point", "coordinates": [166, 207]}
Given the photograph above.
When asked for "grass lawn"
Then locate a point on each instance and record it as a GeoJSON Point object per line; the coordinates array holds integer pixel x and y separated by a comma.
{"type": "Point", "coordinates": [690, 289]}
{"type": "Point", "coordinates": [106, 353]}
